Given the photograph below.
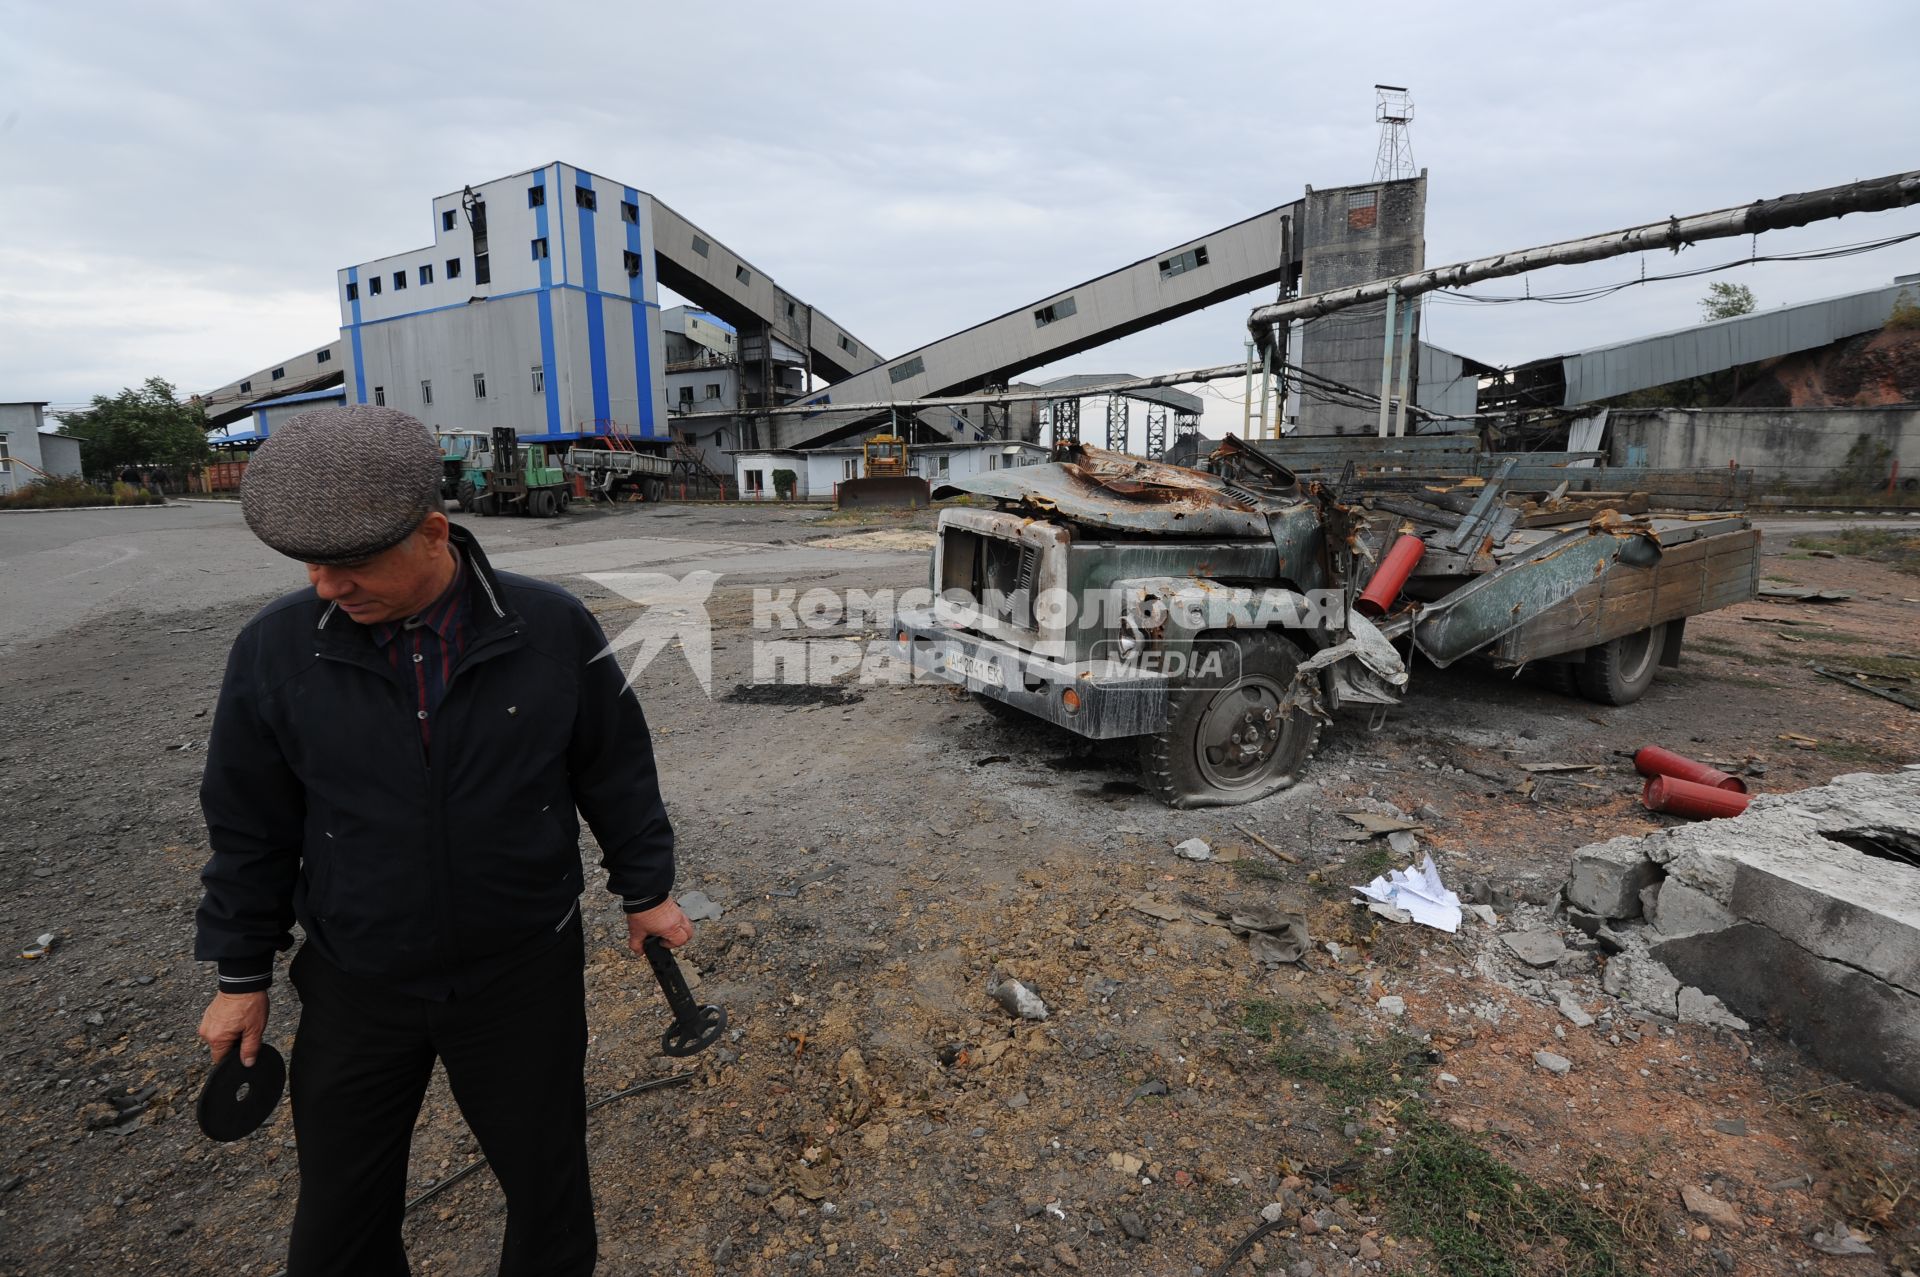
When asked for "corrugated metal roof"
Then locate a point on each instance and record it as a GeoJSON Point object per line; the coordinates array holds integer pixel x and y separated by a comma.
{"type": "Point", "coordinates": [338, 392]}
{"type": "Point", "coordinates": [1621, 367]}
{"type": "Point", "coordinates": [1178, 400]}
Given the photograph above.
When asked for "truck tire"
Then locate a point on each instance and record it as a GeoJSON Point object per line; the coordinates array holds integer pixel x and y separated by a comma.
{"type": "Point", "coordinates": [466, 496]}
{"type": "Point", "coordinates": [1619, 671]}
{"type": "Point", "coordinates": [486, 505]}
{"type": "Point", "coordinates": [1225, 745]}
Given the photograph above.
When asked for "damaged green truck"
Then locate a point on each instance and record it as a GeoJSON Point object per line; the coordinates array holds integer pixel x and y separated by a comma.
{"type": "Point", "coordinates": [1217, 614]}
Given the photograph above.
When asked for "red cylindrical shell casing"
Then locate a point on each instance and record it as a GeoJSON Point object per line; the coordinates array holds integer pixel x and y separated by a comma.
{"type": "Point", "coordinates": [1651, 760]}
{"type": "Point", "coordinates": [1679, 797]}
{"type": "Point", "coordinates": [1393, 572]}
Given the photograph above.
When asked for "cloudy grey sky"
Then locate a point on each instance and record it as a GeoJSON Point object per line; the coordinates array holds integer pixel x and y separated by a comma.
{"type": "Point", "coordinates": [183, 180]}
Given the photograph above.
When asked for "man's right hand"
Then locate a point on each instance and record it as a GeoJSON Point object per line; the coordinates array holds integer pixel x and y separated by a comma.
{"type": "Point", "coordinates": [235, 1018]}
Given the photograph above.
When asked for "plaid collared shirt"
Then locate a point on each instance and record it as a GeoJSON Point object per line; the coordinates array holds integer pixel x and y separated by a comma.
{"type": "Point", "coordinates": [429, 645]}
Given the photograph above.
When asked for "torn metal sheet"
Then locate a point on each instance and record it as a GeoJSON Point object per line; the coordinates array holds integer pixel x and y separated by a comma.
{"type": "Point", "coordinates": [1112, 489]}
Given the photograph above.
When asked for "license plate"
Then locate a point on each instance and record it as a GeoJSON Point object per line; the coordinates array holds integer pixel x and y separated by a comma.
{"type": "Point", "coordinates": [980, 669]}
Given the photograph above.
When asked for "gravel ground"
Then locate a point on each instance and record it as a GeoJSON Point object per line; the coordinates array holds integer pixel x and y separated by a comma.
{"type": "Point", "coordinates": [880, 862]}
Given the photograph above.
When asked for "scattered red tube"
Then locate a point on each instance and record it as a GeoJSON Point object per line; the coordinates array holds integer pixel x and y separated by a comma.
{"type": "Point", "coordinates": [1393, 572]}
{"type": "Point", "coordinates": [1651, 760]}
{"type": "Point", "coordinates": [1686, 798]}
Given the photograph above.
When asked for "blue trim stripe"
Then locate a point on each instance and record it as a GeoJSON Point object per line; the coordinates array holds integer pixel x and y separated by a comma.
{"type": "Point", "coordinates": [549, 373]}
{"type": "Point", "coordinates": [359, 363]}
{"type": "Point", "coordinates": [260, 421]}
{"type": "Point", "coordinates": [642, 322]}
{"type": "Point", "coordinates": [596, 316]}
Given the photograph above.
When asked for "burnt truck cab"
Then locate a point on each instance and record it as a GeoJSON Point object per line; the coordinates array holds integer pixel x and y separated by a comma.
{"type": "Point", "coordinates": [1211, 614]}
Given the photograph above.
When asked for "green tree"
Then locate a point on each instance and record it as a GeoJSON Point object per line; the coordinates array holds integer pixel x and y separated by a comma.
{"type": "Point", "coordinates": [143, 425]}
{"type": "Point", "coordinates": [1726, 301]}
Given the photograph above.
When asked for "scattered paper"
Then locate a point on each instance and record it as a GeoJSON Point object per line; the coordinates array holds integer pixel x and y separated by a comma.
{"type": "Point", "coordinates": [1419, 892]}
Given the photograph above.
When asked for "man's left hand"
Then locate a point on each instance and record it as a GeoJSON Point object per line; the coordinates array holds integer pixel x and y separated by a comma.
{"type": "Point", "coordinates": [664, 920]}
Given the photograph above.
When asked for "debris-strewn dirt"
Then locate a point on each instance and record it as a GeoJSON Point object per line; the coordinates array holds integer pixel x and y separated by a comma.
{"type": "Point", "coordinates": [874, 1110]}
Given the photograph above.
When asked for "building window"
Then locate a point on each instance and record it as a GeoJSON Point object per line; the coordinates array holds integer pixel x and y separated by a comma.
{"type": "Point", "coordinates": [993, 461]}
{"type": "Point", "coordinates": [379, 396]}
{"type": "Point", "coordinates": [1181, 263]}
{"type": "Point", "coordinates": [1363, 210]}
{"type": "Point", "coordinates": [246, 387]}
{"type": "Point", "coordinates": [453, 268]}
{"type": "Point", "coordinates": [586, 198]}
{"type": "Point", "coordinates": [278, 373]}
{"type": "Point", "coordinates": [793, 311]}
{"type": "Point", "coordinates": [373, 285]}
{"type": "Point", "coordinates": [629, 212]}
{"type": "Point", "coordinates": [940, 464]}
{"type": "Point", "coordinates": [847, 344]}
{"type": "Point", "coordinates": [756, 482]}
{"type": "Point", "coordinates": [699, 246]}
{"type": "Point", "coordinates": [324, 357]}
{"type": "Point", "coordinates": [686, 396]}
{"type": "Point", "coordinates": [851, 467]}
{"type": "Point", "coordinates": [539, 248]}
{"type": "Point", "coordinates": [479, 385]}
{"type": "Point", "coordinates": [1059, 310]}
{"type": "Point", "coordinates": [353, 291]}
{"type": "Point", "coordinates": [426, 392]}
{"type": "Point", "coordinates": [536, 196]}
{"type": "Point", "coordinates": [742, 274]}
{"type": "Point", "coordinates": [399, 280]}
{"type": "Point", "coordinates": [912, 368]}
{"type": "Point", "coordinates": [631, 261]}
{"type": "Point", "coordinates": [447, 219]}
{"type": "Point", "coordinates": [426, 273]}
{"type": "Point", "coordinates": [713, 390]}
{"type": "Point", "coordinates": [539, 378]}
{"type": "Point", "coordinates": [482, 271]}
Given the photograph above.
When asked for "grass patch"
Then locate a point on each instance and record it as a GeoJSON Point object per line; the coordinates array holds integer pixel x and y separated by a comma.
{"type": "Point", "coordinates": [1891, 666]}
{"type": "Point", "coordinates": [1482, 1217]}
{"type": "Point", "coordinates": [1897, 547]}
{"type": "Point", "coordinates": [72, 494]}
{"type": "Point", "coordinates": [1263, 1019]}
{"type": "Point", "coordinates": [1847, 751]}
{"type": "Point", "coordinates": [1258, 870]}
{"type": "Point", "coordinates": [1373, 1069]}
{"type": "Point", "coordinates": [1360, 867]}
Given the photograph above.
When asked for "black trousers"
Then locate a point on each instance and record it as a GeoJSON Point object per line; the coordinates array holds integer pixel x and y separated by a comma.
{"type": "Point", "coordinates": [515, 1055]}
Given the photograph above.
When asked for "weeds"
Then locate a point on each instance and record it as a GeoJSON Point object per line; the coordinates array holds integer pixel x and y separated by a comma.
{"type": "Point", "coordinates": [67, 493]}
{"type": "Point", "coordinates": [1375, 1068]}
{"type": "Point", "coordinates": [1897, 547]}
{"type": "Point", "coordinates": [1482, 1217]}
{"type": "Point", "coordinates": [1263, 1019]}
{"type": "Point", "coordinates": [1262, 870]}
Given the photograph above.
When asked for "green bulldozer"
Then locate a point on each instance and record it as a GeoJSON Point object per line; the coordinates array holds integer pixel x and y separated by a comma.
{"type": "Point", "coordinates": [510, 477]}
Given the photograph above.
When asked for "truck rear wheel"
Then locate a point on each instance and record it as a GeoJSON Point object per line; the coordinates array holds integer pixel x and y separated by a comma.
{"type": "Point", "coordinates": [1619, 671]}
{"type": "Point", "coordinates": [466, 496]}
{"type": "Point", "coordinates": [1233, 742]}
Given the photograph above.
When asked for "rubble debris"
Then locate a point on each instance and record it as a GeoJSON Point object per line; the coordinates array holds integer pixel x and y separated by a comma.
{"type": "Point", "coordinates": [1642, 982]}
{"type": "Point", "coordinates": [699, 908]}
{"type": "Point", "coordinates": [1374, 824]}
{"type": "Point", "coordinates": [1803, 594]}
{"type": "Point", "coordinates": [1193, 849]}
{"type": "Point", "coordinates": [1870, 684]}
{"type": "Point", "coordinates": [1651, 760]}
{"type": "Point", "coordinates": [1535, 948]}
{"type": "Point", "coordinates": [42, 946]}
{"type": "Point", "coordinates": [1838, 1239]}
{"type": "Point", "coordinates": [1678, 797]}
{"type": "Point", "coordinates": [1704, 1205]}
{"type": "Point", "coordinates": [1558, 1065]}
{"type": "Point", "coordinates": [1608, 877]}
{"type": "Point", "coordinates": [1420, 893]}
{"type": "Point", "coordinates": [1571, 1008]}
{"type": "Point", "coordinates": [1402, 842]}
{"type": "Point", "coordinates": [1691, 1006]}
{"type": "Point", "coordinates": [1268, 847]}
{"type": "Point", "coordinates": [1017, 999]}
{"type": "Point", "coordinates": [1274, 937]}
{"type": "Point", "coordinates": [1392, 1005]}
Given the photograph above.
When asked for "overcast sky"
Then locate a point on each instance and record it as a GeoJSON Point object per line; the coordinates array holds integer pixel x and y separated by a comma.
{"type": "Point", "coordinates": [182, 181]}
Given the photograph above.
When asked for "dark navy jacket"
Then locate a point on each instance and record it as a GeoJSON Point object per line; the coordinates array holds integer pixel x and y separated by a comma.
{"type": "Point", "coordinates": [321, 804]}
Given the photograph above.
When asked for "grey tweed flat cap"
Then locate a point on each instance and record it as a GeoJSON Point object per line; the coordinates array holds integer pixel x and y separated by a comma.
{"type": "Point", "coordinates": [340, 484]}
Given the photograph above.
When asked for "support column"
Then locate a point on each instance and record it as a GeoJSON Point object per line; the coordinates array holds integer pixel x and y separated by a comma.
{"type": "Point", "coordinates": [1116, 423]}
{"type": "Point", "coordinates": [1407, 353]}
{"type": "Point", "coordinates": [1386, 364]}
{"type": "Point", "coordinates": [1156, 431]}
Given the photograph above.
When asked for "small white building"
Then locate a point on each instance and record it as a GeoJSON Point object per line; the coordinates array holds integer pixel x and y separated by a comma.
{"type": "Point", "coordinates": [30, 448]}
{"type": "Point", "coordinates": [817, 470]}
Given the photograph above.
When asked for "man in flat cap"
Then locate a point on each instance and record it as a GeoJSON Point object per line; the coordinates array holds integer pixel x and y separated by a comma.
{"type": "Point", "coordinates": [396, 762]}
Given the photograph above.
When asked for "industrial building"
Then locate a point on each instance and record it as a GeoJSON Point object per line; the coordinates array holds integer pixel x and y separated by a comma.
{"type": "Point", "coordinates": [30, 448]}
{"type": "Point", "coordinates": [817, 471]}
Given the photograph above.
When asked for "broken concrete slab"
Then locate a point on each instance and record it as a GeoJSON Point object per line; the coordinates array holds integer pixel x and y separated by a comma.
{"type": "Point", "coordinates": [1679, 910]}
{"type": "Point", "coordinates": [1571, 1008]}
{"type": "Point", "coordinates": [1694, 1007]}
{"type": "Point", "coordinates": [1860, 1027]}
{"type": "Point", "coordinates": [1535, 948]}
{"type": "Point", "coordinates": [1607, 877]}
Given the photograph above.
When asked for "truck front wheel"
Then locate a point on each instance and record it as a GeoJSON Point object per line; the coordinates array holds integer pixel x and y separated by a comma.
{"type": "Point", "coordinates": [1619, 671]}
{"type": "Point", "coordinates": [1236, 739]}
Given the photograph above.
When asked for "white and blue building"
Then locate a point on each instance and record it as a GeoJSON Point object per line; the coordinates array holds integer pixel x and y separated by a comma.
{"type": "Point", "coordinates": [536, 305]}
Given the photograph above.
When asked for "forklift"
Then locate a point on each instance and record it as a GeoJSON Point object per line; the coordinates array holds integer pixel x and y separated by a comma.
{"type": "Point", "coordinates": [511, 477]}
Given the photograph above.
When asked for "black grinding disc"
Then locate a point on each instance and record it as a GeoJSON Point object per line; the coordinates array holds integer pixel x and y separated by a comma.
{"type": "Point", "coordinates": [237, 1099]}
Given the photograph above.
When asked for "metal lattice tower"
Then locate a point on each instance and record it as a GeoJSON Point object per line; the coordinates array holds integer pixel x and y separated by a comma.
{"type": "Point", "coordinates": [1156, 431]}
{"type": "Point", "coordinates": [1116, 423]}
{"type": "Point", "coordinates": [1393, 109]}
{"type": "Point", "coordinates": [1063, 417]}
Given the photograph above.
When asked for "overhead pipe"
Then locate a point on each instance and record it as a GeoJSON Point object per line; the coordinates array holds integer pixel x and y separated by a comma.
{"type": "Point", "coordinates": [1651, 760]}
{"type": "Point", "coordinates": [1390, 576]}
{"type": "Point", "coordinates": [1679, 797]}
{"type": "Point", "coordinates": [1895, 191]}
